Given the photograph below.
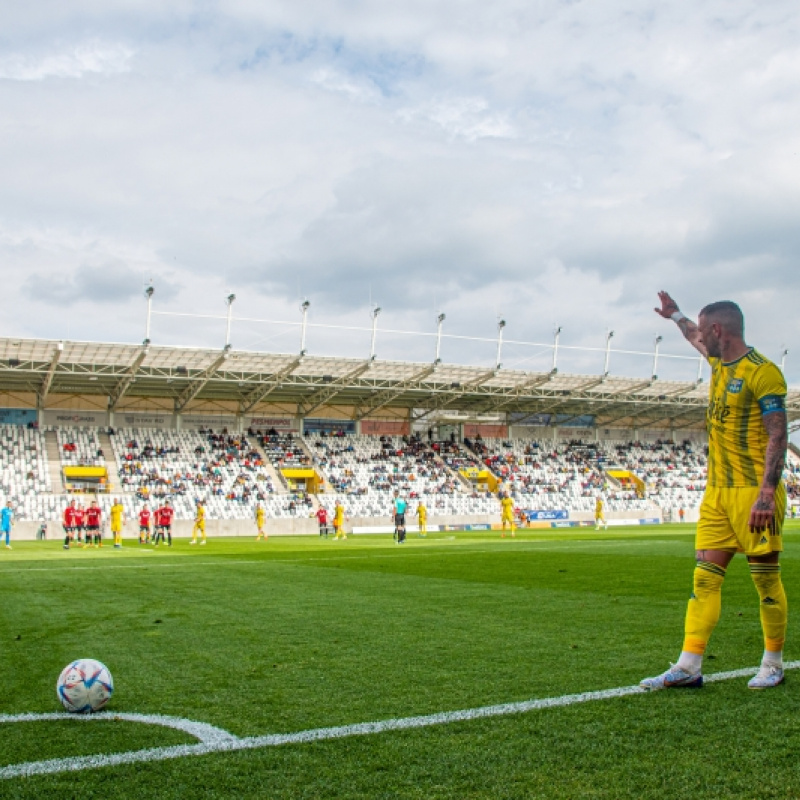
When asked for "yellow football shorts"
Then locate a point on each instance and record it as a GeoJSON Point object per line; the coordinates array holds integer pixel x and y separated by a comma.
{"type": "Point", "coordinates": [724, 518]}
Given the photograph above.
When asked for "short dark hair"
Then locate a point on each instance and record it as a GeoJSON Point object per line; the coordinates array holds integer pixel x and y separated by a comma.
{"type": "Point", "coordinates": [728, 314]}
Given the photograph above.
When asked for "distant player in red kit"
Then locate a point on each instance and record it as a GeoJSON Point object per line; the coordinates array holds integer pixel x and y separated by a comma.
{"type": "Point", "coordinates": [79, 515]}
{"type": "Point", "coordinates": [164, 517]}
{"type": "Point", "coordinates": [69, 524]}
{"type": "Point", "coordinates": [144, 525]}
{"type": "Point", "coordinates": [93, 515]}
{"type": "Point", "coordinates": [322, 519]}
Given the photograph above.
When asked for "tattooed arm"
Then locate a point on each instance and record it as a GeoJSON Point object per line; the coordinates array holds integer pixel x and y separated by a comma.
{"type": "Point", "coordinates": [688, 328]}
{"type": "Point", "coordinates": [762, 515]}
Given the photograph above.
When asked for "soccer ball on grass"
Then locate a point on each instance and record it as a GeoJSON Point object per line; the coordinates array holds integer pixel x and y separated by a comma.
{"type": "Point", "coordinates": [84, 686]}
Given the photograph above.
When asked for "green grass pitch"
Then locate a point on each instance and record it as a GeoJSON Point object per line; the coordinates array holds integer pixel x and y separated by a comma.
{"type": "Point", "coordinates": [302, 633]}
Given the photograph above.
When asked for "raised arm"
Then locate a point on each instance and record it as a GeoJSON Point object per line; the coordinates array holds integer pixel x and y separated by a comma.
{"type": "Point", "coordinates": [669, 310]}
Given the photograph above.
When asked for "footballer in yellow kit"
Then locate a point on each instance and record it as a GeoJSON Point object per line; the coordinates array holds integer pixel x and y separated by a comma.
{"type": "Point", "coordinates": [338, 521]}
{"type": "Point", "coordinates": [744, 504]}
{"type": "Point", "coordinates": [116, 517]}
{"type": "Point", "coordinates": [260, 517]}
{"type": "Point", "coordinates": [507, 514]}
{"type": "Point", "coordinates": [599, 516]}
{"type": "Point", "coordinates": [199, 523]}
{"type": "Point", "coordinates": [422, 516]}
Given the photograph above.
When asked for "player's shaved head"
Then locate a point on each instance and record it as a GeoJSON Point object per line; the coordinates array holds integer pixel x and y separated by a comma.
{"type": "Point", "coordinates": [727, 314]}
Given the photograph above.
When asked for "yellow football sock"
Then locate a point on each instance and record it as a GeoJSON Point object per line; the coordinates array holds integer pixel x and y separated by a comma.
{"type": "Point", "coordinates": [702, 613]}
{"type": "Point", "coordinates": [774, 608]}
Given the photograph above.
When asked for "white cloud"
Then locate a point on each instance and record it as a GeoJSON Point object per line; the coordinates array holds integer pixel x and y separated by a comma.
{"type": "Point", "coordinates": [92, 58]}
{"type": "Point", "coordinates": [556, 162]}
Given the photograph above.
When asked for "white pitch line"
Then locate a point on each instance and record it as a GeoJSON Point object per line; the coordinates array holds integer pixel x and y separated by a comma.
{"type": "Point", "coordinates": [216, 740]}
{"type": "Point", "coordinates": [208, 734]}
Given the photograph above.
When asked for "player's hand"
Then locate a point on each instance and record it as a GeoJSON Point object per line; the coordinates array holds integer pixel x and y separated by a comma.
{"type": "Point", "coordinates": [668, 305]}
{"type": "Point", "coordinates": [762, 514]}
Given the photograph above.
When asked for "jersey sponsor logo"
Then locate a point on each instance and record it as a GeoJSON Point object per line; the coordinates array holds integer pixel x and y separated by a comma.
{"type": "Point", "coordinates": [718, 411]}
{"type": "Point", "coordinates": [735, 386]}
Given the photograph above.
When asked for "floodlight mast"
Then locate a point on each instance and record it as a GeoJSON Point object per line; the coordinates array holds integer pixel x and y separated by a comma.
{"type": "Point", "coordinates": [609, 337]}
{"type": "Point", "coordinates": [556, 337]}
{"type": "Point", "coordinates": [783, 359]}
{"type": "Point", "coordinates": [500, 325]}
{"type": "Point", "coordinates": [375, 312]}
{"type": "Point", "coordinates": [658, 341]}
{"type": "Point", "coordinates": [229, 300]}
{"type": "Point", "coordinates": [304, 308]}
{"type": "Point", "coordinates": [439, 320]}
{"type": "Point", "coordinates": [148, 293]}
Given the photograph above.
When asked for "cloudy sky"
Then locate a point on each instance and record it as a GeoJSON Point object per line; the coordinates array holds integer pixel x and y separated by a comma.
{"type": "Point", "coordinates": [548, 163]}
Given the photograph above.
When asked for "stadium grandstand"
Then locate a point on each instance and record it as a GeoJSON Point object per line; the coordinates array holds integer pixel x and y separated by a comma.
{"type": "Point", "coordinates": [294, 432]}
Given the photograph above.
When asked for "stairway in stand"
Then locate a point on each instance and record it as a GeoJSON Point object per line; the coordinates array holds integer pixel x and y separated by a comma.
{"type": "Point", "coordinates": [111, 462]}
{"type": "Point", "coordinates": [54, 462]}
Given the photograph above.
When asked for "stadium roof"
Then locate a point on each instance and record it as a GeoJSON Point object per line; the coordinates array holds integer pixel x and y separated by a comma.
{"type": "Point", "coordinates": [184, 375]}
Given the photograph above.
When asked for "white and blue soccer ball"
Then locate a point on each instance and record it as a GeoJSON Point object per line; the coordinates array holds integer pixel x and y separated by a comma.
{"type": "Point", "coordinates": [84, 686]}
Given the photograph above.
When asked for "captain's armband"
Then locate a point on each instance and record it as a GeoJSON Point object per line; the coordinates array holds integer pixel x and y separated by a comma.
{"type": "Point", "coordinates": [771, 403]}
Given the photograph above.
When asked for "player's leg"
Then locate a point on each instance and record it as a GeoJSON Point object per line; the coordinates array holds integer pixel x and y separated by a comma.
{"type": "Point", "coordinates": [715, 545]}
{"type": "Point", "coordinates": [66, 538]}
{"type": "Point", "coordinates": [765, 571]}
{"type": "Point", "coordinates": [202, 532]}
{"type": "Point", "coordinates": [169, 535]}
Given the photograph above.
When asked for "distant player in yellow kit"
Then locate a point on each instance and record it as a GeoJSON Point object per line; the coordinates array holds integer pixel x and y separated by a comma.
{"type": "Point", "coordinates": [507, 516]}
{"type": "Point", "coordinates": [199, 523]}
{"type": "Point", "coordinates": [338, 521]}
{"type": "Point", "coordinates": [599, 516]}
{"type": "Point", "coordinates": [422, 515]}
{"type": "Point", "coordinates": [260, 517]}
{"type": "Point", "coordinates": [117, 517]}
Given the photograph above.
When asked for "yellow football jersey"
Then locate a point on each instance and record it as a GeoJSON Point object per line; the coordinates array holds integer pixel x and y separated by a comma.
{"type": "Point", "coordinates": [741, 393]}
{"type": "Point", "coordinates": [116, 514]}
{"type": "Point", "coordinates": [200, 514]}
{"type": "Point", "coordinates": [508, 505]}
{"type": "Point", "coordinates": [598, 506]}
